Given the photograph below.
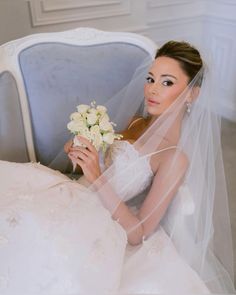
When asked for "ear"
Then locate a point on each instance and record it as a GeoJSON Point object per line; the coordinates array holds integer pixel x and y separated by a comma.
{"type": "Point", "coordinates": [194, 94]}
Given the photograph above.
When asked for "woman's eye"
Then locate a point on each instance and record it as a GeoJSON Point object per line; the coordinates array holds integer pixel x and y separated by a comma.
{"type": "Point", "coordinates": [150, 80]}
{"type": "Point", "coordinates": [167, 83]}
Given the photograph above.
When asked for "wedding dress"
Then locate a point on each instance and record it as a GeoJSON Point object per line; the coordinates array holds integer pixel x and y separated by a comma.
{"type": "Point", "coordinates": [57, 238]}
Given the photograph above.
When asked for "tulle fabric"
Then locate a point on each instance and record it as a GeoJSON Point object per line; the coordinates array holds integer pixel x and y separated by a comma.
{"type": "Point", "coordinates": [57, 238]}
{"type": "Point", "coordinates": [203, 237]}
{"type": "Point", "coordinates": [197, 220]}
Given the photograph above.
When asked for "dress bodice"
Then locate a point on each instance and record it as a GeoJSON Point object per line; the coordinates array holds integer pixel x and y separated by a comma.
{"type": "Point", "coordinates": [123, 156]}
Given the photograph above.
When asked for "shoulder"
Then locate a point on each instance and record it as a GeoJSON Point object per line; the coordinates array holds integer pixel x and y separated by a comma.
{"type": "Point", "coordinates": [176, 158]}
{"type": "Point", "coordinates": [171, 168]}
{"type": "Point", "coordinates": [136, 120]}
{"type": "Point", "coordinates": [134, 128]}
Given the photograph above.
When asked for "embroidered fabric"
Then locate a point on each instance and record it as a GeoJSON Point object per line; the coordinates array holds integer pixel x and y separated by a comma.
{"type": "Point", "coordinates": [120, 154]}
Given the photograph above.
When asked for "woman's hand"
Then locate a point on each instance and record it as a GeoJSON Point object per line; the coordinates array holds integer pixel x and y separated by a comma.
{"type": "Point", "coordinates": [87, 158]}
{"type": "Point", "coordinates": [68, 146]}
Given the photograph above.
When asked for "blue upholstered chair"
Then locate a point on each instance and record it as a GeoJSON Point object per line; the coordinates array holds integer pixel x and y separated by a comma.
{"type": "Point", "coordinates": [44, 76]}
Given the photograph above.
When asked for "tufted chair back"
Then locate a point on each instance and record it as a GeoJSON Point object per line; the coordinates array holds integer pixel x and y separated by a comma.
{"type": "Point", "coordinates": [44, 76]}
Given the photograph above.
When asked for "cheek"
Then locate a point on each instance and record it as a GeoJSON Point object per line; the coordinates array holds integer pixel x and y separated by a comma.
{"type": "Point", "coordinates": [145, 90]}
{"type": "Point", "coordinates": [171, 95]}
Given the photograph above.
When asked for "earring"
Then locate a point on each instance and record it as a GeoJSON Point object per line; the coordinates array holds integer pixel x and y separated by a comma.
{"type": "Point", "coordinates": [188, 107]}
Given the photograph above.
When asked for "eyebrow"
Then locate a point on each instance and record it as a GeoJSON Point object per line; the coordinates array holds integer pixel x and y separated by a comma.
{"type": "Point", "coordinates": [165, 75]}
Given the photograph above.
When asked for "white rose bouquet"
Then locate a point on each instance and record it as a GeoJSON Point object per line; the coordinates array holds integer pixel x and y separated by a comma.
{"type": "Point", "coordinates": [93, 123]}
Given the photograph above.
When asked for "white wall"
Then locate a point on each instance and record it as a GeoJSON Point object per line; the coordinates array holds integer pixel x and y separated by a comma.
{"type": "Point", "coordinates": [209, 24]}
{"type": "Point", "coordinates": [22, 17]}
{"type": "Point", "coordinates": [220, 37]}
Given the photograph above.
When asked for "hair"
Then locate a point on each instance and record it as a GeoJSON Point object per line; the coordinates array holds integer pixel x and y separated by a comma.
{"type": "Point", "coordinates": [187, 55]}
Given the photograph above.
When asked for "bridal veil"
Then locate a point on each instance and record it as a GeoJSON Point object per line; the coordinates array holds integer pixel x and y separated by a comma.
{"type": "Point", "coordinates": [197, 220]}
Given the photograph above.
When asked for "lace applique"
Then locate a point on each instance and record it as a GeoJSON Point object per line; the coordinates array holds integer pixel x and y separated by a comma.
{"type": "Point", "coordinates": [96, 256]}
{"type": "Point", "coordinates": [26, 197]}
{"type": "Point", "coordinates": [155, 244]}
{"type": "Point", "coordinates": [120, 154]}
{"type": "Point", "coordinates": [13, 220]}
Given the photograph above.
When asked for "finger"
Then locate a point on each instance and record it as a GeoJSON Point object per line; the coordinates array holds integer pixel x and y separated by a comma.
{"type": "Point", "coordinates": [67, 146]}
{"type": "Point", "coordinates": [74, 164]}
{"type": "Point", "coordinates": [85, 151]}
{"type": "Point", "coordinates": [77, 161]}
{"type": "Point", "coordinates": [91, 155]}
{"type": "Point", "coordinates": [79, 155]}
{"type": "Point", "coordinates": [87, 143]}
{"type": "Point", "coordinates": [78, 149]}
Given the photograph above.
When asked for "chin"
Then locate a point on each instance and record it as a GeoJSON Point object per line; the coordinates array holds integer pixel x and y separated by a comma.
{"type": "Point", "coordinates": [153, 112]}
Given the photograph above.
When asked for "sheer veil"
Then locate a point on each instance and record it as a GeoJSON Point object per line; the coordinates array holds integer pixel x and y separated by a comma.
{"type": "Point", "coordinates": [197, 220]}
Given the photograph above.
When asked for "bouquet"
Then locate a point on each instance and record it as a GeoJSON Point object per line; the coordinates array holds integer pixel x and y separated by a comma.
{"type": "Point", "coordinates": [93, 123]}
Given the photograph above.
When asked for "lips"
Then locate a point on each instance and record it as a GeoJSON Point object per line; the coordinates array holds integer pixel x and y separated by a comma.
{"type": "Point", "coordinates": [151, 101]}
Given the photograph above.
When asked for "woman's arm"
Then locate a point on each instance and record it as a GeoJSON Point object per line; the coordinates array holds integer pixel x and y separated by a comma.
{"type": "Point", "coordinates": [164, 187]}
{"type": "Point", "coordinates": [166, 182]}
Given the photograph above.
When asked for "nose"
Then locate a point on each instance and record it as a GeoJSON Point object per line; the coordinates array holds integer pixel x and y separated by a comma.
{"type": "Point", "coordinates": [153, 89]}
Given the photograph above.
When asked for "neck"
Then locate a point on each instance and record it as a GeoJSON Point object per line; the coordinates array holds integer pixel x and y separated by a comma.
{"type": "Point", "coordinates": [173, 134]}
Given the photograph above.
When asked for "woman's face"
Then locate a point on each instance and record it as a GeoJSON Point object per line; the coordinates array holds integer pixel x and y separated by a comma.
{"type": "Point", "coordinates": [165, 81]}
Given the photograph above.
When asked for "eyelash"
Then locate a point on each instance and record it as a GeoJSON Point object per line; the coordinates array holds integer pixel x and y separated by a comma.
{"type": "Point", "coordinates": [169, 83]}
{"type": "Point", "coordinates": [151, 80]}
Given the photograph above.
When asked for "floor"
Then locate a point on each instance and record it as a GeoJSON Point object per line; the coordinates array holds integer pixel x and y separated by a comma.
{"type": "Point", "coordinates": [229, 156]}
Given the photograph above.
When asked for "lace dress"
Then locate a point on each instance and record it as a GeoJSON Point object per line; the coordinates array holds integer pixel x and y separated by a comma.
{"type": "Point", "coordinates": [56, 238]}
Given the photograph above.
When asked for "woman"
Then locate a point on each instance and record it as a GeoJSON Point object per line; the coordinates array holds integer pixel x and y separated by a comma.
{"type": "Point", "coordinates": [60, 236]}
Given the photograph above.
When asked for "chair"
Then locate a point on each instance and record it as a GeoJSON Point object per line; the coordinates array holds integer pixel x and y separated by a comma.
{"type": "Point", "coordinates": [44, 76]}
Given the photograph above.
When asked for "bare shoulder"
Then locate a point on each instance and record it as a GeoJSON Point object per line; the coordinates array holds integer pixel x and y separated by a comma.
{"type": "Point", "coordinates": [136, 120]}
{"type": "Point", "coordinates": [177, 158]}
{"type": "Point", "coordinates": [135, 128]}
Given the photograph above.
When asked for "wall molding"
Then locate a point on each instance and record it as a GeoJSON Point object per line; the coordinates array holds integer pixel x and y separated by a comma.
{"type": "Point", "coordinates": [221, 20]}
{"type": "Point", "coordinates": [54, 5]}
{"type": "Point", "coordinates": [174, 21]}
{"type": "Point", "coordinates": [224, 2]}
{"type": "Point", "coordinates": [159, 4]}
{"type": "Point", "coordinates": [48, 12]}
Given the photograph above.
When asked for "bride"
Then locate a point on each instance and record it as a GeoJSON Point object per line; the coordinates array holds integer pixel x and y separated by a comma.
{"type": "Point", "coordinates": [152, 218]}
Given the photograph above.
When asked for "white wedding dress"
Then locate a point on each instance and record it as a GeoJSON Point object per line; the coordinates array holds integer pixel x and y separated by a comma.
{"type": "Point", "coordinates": [56, 238]}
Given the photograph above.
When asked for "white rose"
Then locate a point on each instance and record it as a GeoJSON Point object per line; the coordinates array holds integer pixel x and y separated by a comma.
{"type": "Point", "coordinates": [105, 125]}
{"type": "Point", "coordinates": [76, 142]}
{"type": "Point", "coordinates": [97, 142]}
{"type": "Point", "coordinates": [92, 118]}
{"type": "Point", "coordinates": [93, 111]}
{"type": "Point", "coordinates": [101, 109]}
{"type": "Point", "coordinates": [85, 133]}
{"type": "Point", "coordinates": [95, 130]}
{"type": "Point", "coordinates": [82, 108]}
{"type": "Point", "coordinates": [75, 116]}
{"type": "Point", "coordinates": [108, 137]}
{"type": "Point", "coordinates": [96, 136]}
{"type": "Point", "coordinates": [104, 117]}
{"type": "Point", "coordinates": [75, 126]}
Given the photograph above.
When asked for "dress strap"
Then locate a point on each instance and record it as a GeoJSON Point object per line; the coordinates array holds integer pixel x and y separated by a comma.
{"type": "Point", "coordinates": [165, 149]}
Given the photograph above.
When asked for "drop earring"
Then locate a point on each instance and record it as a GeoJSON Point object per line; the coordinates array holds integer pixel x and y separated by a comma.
{"type": "Point", "coordinates": [188, 107]}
